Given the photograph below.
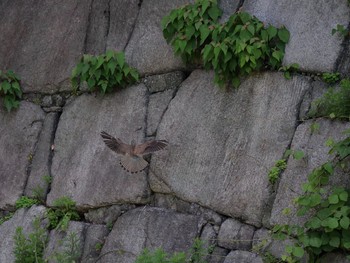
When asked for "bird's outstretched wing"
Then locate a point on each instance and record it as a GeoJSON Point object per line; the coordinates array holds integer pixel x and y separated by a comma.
{"type": "Point", "coordinates": [150, 147]}
{"type": "Point", "coordinates": [116, 144]}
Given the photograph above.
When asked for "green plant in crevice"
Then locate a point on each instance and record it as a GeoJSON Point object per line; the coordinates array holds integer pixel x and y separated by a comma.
{"type": "Point", "coordinates": [10, 89]}
{"type": "Point", "coordinates": [341, 30]}
{"type": "Point", "coordinates": [189, 27]}
{"type": "Point", "coordinates": [243, 45]}
{"type": "Point", "coordinates": [61, 213]}
{"type": "Point", "coordinates": [236, 48]}
{"type": "Point", "coordinates": [330, 78]}
{"type": "Point", "coordinates": [29, 249]}
{"type": "Point", "coordinates": [335, 103]}
{"type": "Point", "coordinates": [6, 217]}
{"type": "Point", "coordinates": [197, 254]}
{"type": "Point", "coordinates": [327, 228]}
{"type": "Point", "coordinates": [26, 202]}
{"type": "Point", "coordinates": [280, 165]}
{"type": "Point", "coordinates": [160, 256]}
{"type": "Point", "coordinates": [104, 72]}
{"type": "Point", "coordinates": [70, 251]}
{"type": "Point", "coordinates": [276, 170]}
{"type": "Point", "coordinates": [289, 69]}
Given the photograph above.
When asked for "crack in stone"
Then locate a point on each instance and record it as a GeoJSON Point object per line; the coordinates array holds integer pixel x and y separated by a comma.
{"type": "Point", "coordinates": [51, 155]}
{"type": "Point", "coordinates": [343, 57]}
{"type": "Point", "coordinates": [240, 4]}
{"type": "Point", "coordinates": [271, 200]}
{"type": "Point", "coordinates": [134, 26]}
{"type": "Point", "coordinates": [87, 28]}
{"type": "Point", "coordinates": [108, 17]}
{"type": "Point", "coordinates": [32, 154]}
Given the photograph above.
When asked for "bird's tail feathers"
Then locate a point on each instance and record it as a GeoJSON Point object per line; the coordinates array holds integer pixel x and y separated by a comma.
{"type": "Point", "coordinates": [133, 164]}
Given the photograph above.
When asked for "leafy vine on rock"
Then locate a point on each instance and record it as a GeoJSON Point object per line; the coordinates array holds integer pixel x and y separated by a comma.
{"type": "Point", "coordinates": [233, 49]}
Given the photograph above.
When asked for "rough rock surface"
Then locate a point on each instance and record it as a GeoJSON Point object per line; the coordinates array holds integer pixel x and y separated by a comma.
{"type": "Point", "coordinates": [147, 49]}
{"type": "Point", "coordinates": [59, 240]}
{"type": "Point", "coordinates": [218, 255]}
{"type": "Point", "coordinates": [316, 153]}
{"type": "Point", "coordinates": [83, 236]}
{"type": "Point", "coordinates": [83, 166]}
{"type": "Point", "coordinates": [123, 15]}
{"type": "Point", "coordinates": [149, 228]}
{"type": "Point", "coordinates": [263, 242]}
{"type": "Point", "coordinates": [95, 237]}
{"type": "Point", "coordinates": [242, 257]}
{"type": "Point", "coordinates": [310, 24]}
{"type": "Point", "coordinates": [42, 41]}
{"type": "Point", "coordinates": [162, 82]}
{"type": "Point", "coordinates": [19, 131]}
{"type": "Point", "coordinates": [22, 218]}
{"type": "Point", "coordinates": [157, 105]}
{"type": "Point", "coordinates": [40, 166]}
{"type": "Point", "coordinates": [235, 235]}
{"type": "Point", "coordinates": [334, 257]}
{"type": "Point", "coordinates": [221, 143]}
{"type": "Point", "coordinates": [106, 215]}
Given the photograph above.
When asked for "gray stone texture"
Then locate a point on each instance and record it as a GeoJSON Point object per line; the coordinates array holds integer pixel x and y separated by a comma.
{"type": "Point", "coordinates": [106, 215]}
{"type": "Point", "coordinates": [95, 237]}
{"type": "Point", "coordinates": [223, 143]}
{"type": "Point", "coordinates": [97, 30]}
{"type": "Point", "coordinates": [162, 82]}
{"type": "Point", "coordinates": [22, 218]}
{"type": "Point", "coordinates": [82, 235]}
{"type": "Point", "coordinates": [147, 49]}
{"type": "Point", "coordinates": [157, 105]}
{"type": "Point", "coordinates": [19, 131]}
{"type": "Point", "coordinates": [228, 7]}
{"type": "Point", "coordinates": [334, 257]}
{"type": "Point", "coordinates": [316, 153]}
{"type": "Point", "coordinates": [62, 241]}
{"type": "Point", "coordinates": [174, 203]}
{"type": "Point", "coordinates": [40, 166]}
{"type": "Point", "coordinates": [218, 255]}
{"type": "Point", "coordinates": [310, 23]}
{"type": "Point", "coordinates": [235, 235]}
{"type": "Point", "coordinates": [242, 257]}
{"type": "Point", "coordinates": [83, 167]}
{"type": "Point", "coordinates": [42, 41]}
{"type": "Point", "coordinates": [123, 15]}
{"type": "Point", "coordinates": [263, 242]}
{"type": "Point", "coordinates": [149, 227]}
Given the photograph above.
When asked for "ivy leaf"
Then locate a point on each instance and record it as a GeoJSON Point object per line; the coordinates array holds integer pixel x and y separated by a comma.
{"type": "Point", "coordinates": [214, 13]}
{"type": "Point", "coordinates": [298, 155]}
{"type": "Point", "coordinates": [344, 222]}
{"type": "Point", "coordinates": [204, 30]}
{"type": "Point", "coordinates": [272, 31]}
{"type": "Point", "coordinates": [334, 241]}
{"type": "Point", "coordinates": [333, 199]}
{"type": "Point", "coordinates": [189, 31]}
{"type": "Point", "coordinates": [315, 241]}
{"type": "Point", "coordinates": [284, 35]}
{"type": "Point", "coordinates": [298, 252]}
{"type": "Point", "coordinates": [121, 59]}
{"type": "Point", "coordinates": [343, 196]}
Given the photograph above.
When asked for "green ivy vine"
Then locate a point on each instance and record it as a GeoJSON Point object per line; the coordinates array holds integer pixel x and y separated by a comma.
{"type": "Point", "coordinates": [104, 72]}
{"type": "Point", "coordinates": [10, 89]}
{"type": "Point", "coordinates": [233, 49]}
{"type": "Point", "coordinates": [328, 210]}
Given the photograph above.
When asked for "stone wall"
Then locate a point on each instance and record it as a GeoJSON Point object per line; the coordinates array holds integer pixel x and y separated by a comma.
{"type": "Point", "coordinates": [211, 182]}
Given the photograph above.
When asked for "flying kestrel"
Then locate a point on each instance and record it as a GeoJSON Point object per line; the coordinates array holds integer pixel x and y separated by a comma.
{"type": "Point", "coordinates": [132, 155]}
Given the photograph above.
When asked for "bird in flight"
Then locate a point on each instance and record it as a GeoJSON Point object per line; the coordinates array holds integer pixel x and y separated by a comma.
{"type": "Point", "coordinates": [132, 154]}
